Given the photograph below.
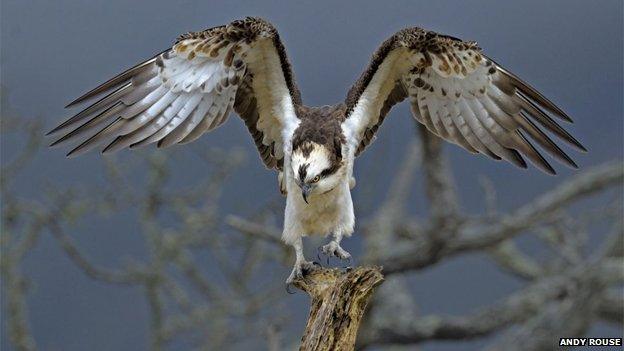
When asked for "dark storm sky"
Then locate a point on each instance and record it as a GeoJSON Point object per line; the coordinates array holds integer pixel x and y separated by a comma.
{"type": "Point", "coordinates": [54, 50]}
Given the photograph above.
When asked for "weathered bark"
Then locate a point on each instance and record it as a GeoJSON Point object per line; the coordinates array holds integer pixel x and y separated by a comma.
{"type": "Point", "coordinates": [339, 300]}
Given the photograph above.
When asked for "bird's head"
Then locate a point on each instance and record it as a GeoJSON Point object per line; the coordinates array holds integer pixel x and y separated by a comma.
{"type": "Point", "coordinates": [317, 168]}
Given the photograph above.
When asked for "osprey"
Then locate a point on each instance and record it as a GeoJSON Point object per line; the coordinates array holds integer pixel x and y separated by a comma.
{"type": "Point", "coordinates": [456, 91]}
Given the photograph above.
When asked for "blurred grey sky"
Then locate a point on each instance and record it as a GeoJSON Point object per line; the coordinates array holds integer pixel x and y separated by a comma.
{"type": "Point", "coordinates": [52, 51]}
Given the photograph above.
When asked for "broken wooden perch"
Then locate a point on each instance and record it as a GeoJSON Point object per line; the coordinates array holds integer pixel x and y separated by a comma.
{"type": "Point", "coordinates": [339, 300]}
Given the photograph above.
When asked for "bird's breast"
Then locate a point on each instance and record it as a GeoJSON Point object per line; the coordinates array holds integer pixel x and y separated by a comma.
{"type": "Point", "coordinates": [323, 212]}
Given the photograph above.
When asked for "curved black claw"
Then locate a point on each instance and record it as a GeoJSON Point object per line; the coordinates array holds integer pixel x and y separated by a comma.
{"type": "Point", "coordinates": [289, 286]}
{"type": "Point", "coordinates": [319, 252]}
{"type": "Point", "coordinates": [349, 262]}
{"type": "Point", "coordinates": [317, 264]}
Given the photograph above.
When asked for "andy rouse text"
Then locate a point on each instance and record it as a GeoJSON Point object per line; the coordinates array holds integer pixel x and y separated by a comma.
{"type": "Point", "coordinates": [590, 342]}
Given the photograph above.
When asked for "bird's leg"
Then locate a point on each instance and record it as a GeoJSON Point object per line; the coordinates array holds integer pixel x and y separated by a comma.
{"type": "Point", "coordinates": [333, 248]}
{"type": "Point", "coordinates": [301, 265]}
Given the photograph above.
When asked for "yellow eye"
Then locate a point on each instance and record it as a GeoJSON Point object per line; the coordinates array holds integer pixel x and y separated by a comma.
{"type": "Point", "coordinates": [316, 179]}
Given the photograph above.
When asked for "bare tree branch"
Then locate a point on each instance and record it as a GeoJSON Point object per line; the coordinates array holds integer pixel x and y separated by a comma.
{"type": "Point", "coordinates": [472, 237]}
{"type": "Point", "coordinates": [439, 185]}
{"type": "Point", "coordinates": [514, 309]}
{"type": "Point", "coordinates": [339, 300]}
{"type": "Point", "coordinates": [579, 186]}
{"type": "Point", "coordinates": [511, 259]}
{"type": "Point", "coordinates": [109, 276]}
{"type": "Point", "coordinates": [269, 234]}
{"type": "Point", "coordinates": [571, 315]}
{"type": "Point", "coordinates": [380, 231]}
{"type": "Point", "coordinates": [611, 307]}
{"type": "Point", "coordinates": [14, 288]}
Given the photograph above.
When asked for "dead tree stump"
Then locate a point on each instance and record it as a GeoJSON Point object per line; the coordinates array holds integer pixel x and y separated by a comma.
{"type": "Point", "coordinates": [339, 300]}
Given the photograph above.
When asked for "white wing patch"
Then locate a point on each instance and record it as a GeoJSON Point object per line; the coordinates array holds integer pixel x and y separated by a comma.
{"type": "Point", "coordinates": [278, 120]}
{"type": "Point", "coordinates": [366, 112]}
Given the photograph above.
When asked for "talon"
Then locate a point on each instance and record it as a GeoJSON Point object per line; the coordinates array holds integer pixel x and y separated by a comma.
{"type": "Point", "coordinates": [288, 288]}
{"type": "Point", "coordinates": [307, 268]}
{"type": "Point", "coordinates": [300, 270]}
{"type": "Point", "coordinates": [316, 264]}
{"type": "Point", "coordinates": [334, 249]}
{"type": "Point", "coordinates": [321, 250]}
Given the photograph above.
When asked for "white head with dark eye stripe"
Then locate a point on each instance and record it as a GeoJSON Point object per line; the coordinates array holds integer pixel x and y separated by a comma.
{"type": "Point", "coordinates": [315, 169]}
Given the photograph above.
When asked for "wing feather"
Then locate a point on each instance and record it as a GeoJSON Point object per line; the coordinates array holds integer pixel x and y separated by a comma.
{"type": "Point", "coordinates": [160, 124]}
{"type": "Point", "coordinates": [191, 123]}
{"type": "Point", "coordinates": [190, 106]}
{"type": "Point", "coordinates": [434, 110]}
{"type": "Point", "coordinates": [88, 126]}
{"type": "Point", "coordinates": [103, 103]}
{"type": "Point", "coordinates": [183, 92]}
{"type": "Point", "coordinates": [460, 95]}
{"type": "Point", "coordinates": [113, 82]}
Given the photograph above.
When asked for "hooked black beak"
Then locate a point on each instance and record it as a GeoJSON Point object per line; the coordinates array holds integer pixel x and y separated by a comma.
{"type": "Point", "coordinates": [305, 191]}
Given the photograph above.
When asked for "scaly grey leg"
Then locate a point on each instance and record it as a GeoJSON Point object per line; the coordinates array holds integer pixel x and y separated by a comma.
{"type": "Point", "coordinates": [301, 265]}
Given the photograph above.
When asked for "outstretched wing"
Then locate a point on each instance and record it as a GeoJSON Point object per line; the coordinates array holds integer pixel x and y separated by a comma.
{"type": "Point", "coordinates": [458, 94]}
{"type": "Point", "coordinates": [190, 89]}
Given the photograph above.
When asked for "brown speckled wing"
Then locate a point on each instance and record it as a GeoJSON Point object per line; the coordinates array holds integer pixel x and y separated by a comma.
{"type": "Point", "coordinates": [190, 89]}
{"type": "Point", "coordinates": [458, 94]}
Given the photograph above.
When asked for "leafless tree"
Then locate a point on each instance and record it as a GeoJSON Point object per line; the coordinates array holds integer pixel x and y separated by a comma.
{"type": "Point", "coordinates": [236, 303]}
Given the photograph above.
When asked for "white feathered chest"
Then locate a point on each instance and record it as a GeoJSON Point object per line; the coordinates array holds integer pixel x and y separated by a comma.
{"type": "Point", "coordinates": [322, 215]}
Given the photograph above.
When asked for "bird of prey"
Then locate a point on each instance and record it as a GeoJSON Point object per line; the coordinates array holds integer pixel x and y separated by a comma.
{"type": "Point", "coordinates": [454, 89]}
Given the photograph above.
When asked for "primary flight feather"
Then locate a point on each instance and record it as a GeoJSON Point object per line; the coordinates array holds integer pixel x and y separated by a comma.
{"type": "Point", "coordinates": [456, 91]}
